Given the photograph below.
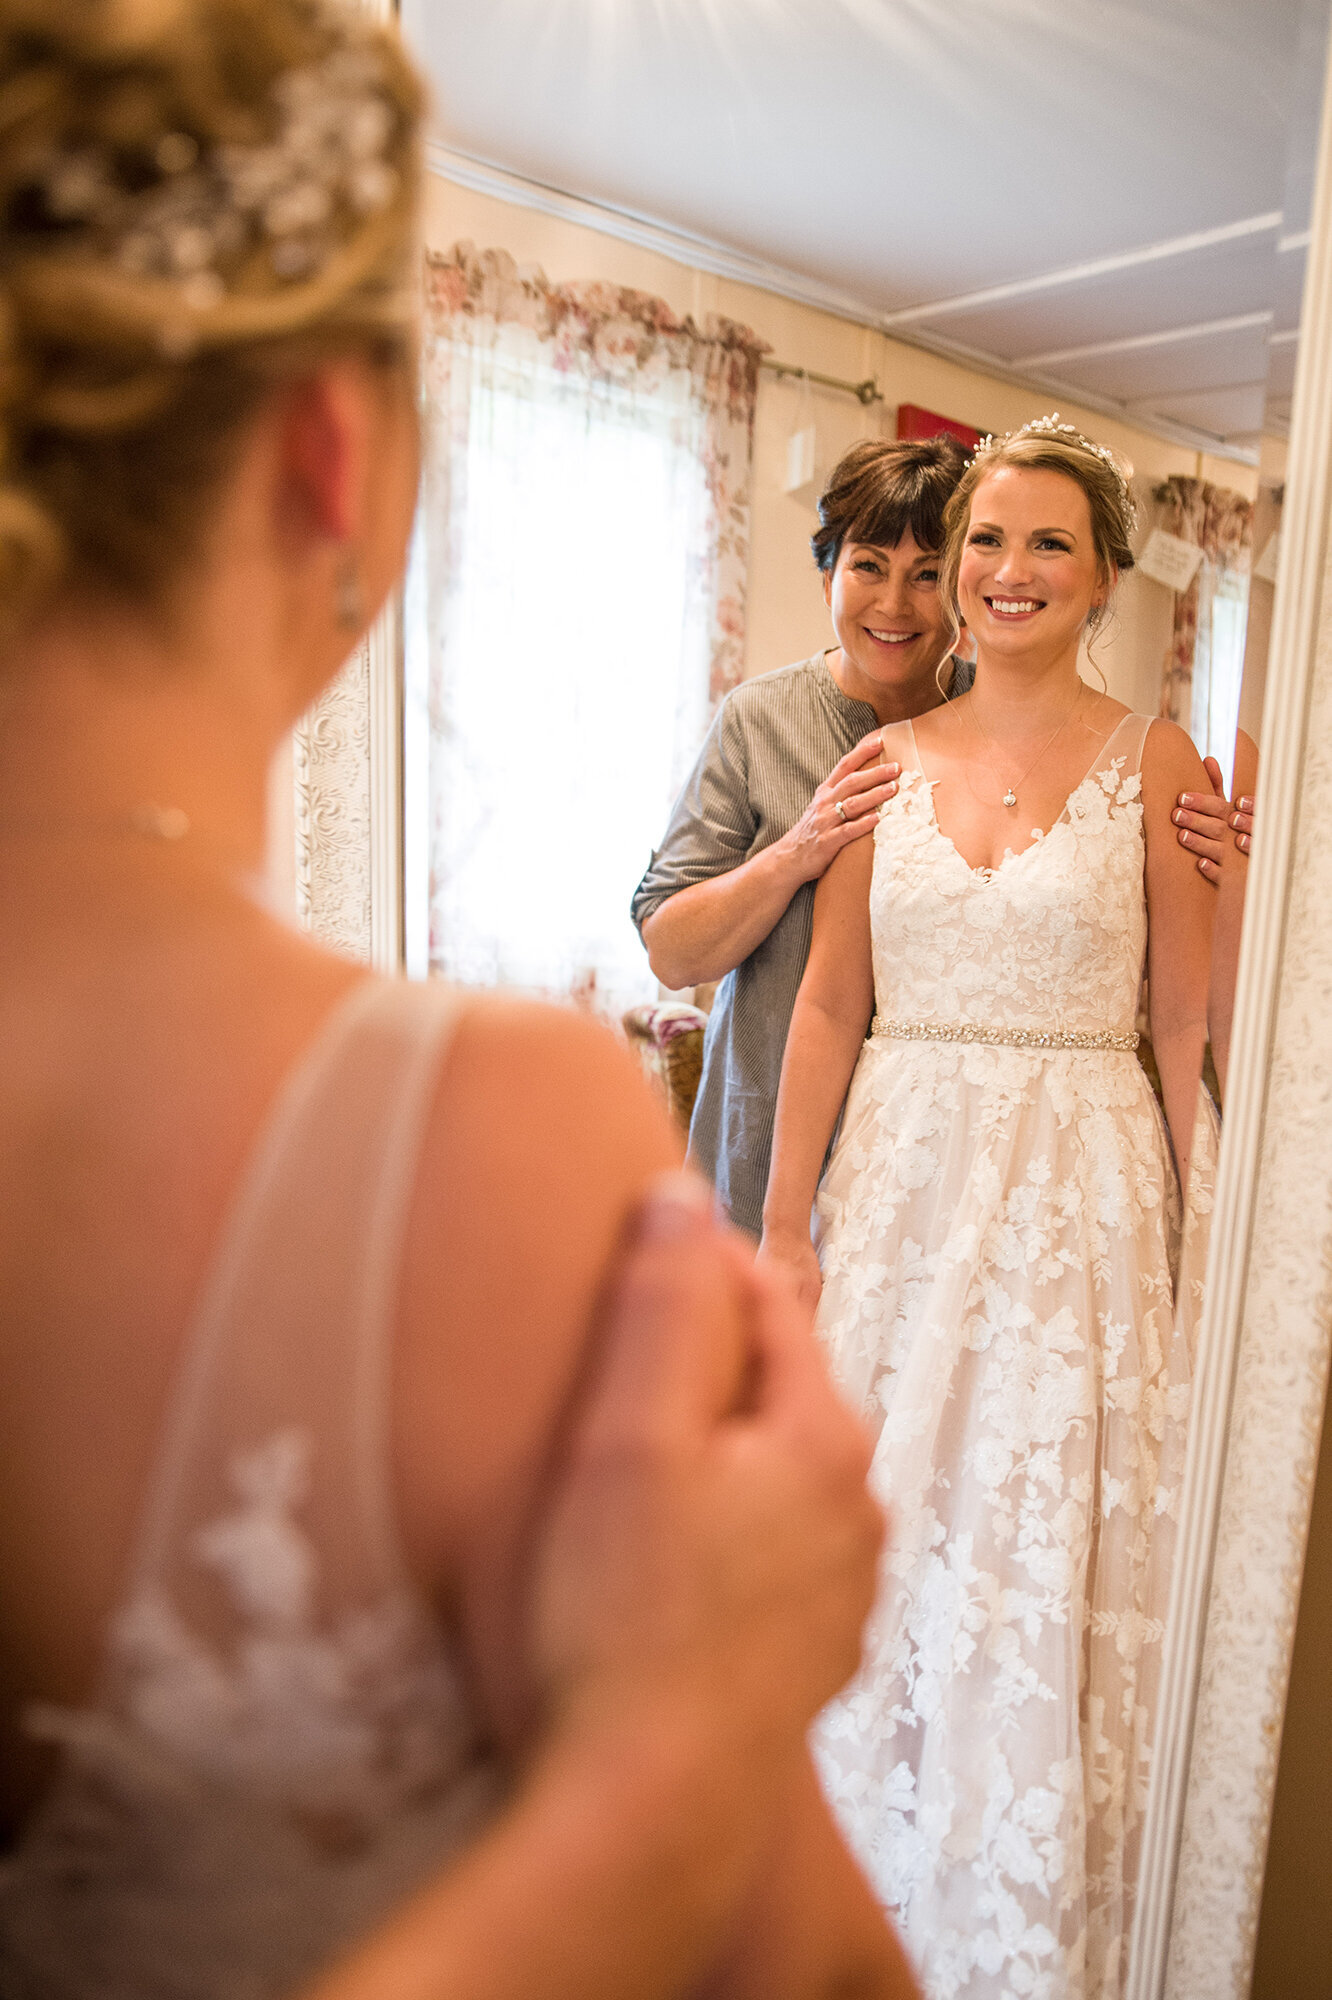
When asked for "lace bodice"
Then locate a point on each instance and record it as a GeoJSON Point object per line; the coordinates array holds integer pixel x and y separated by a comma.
{"type": "Point", "coordinates": [1037, 942]}
{"type": "Point", "coordinates": [280, 1745]}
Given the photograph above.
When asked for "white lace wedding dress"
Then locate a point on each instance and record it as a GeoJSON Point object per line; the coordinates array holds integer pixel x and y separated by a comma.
{"type": "Point", "coordinates": [998, 1233]}
{"type": "Point", "coordinates": [280, 1745]}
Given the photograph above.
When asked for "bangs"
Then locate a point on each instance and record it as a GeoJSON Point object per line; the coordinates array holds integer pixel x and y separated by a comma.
{"type": "Point", "coordinates": [913, 506]}
{"type": "Point", "coordinates": [881, 492]}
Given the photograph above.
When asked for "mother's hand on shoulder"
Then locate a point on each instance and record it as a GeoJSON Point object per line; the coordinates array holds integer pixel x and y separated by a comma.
{"type": "Point", "coordinates": [844, 808]}
{"type": "Point", "coordinates": [1203, 819]}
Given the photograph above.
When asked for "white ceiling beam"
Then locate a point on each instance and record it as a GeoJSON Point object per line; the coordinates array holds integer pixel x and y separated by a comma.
{"type": "Point", "coordinates": [1081, 274]}
{"type": "Point", "coordinates": [1186, 395]}
{"type": "Point", "coordinates": [1136, 343]}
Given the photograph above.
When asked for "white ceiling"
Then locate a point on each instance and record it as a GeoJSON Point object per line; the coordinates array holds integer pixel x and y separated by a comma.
{"type": "Point", "coordinates": [1094, 195]}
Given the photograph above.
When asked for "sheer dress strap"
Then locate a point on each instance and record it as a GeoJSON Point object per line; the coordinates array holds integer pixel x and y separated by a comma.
{"type": "Point", "coordinates": [293, 1329]}
{"type": "Point", "coordinates": [1130, 740]}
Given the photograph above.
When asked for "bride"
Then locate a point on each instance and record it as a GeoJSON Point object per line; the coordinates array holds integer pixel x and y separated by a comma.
{"type": "Point", "coordinates": [999, 1232]}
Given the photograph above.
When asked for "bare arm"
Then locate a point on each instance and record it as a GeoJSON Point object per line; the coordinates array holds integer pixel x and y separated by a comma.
{"type": "Point", "coordinates": [831, 1017]}
{"type": "Point", "coordinates": [703, 932]}
{"type": "Point", "coordinates": [1180, 912]}
{"type": "Point", "coordinates": [543, 1138]}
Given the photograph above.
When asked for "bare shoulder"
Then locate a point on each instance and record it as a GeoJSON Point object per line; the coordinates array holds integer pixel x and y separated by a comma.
{"type": "Point", "coordinates": [542, 1136]}
{"type": "Point", "coordinates": [941, 734]}
{"type": "Point", "coordinates": [898, 744]}
{"type": "Point", "coordinates": [1104, 716]}
{"type": "Point", "coordinates": [1170, 761]}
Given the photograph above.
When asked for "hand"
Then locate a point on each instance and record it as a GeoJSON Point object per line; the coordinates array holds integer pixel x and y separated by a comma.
{"type": "Point", "coordinates": [860, 784]}
{"type": "Point", "coordinates": [792, 1253]}
{"type": "Point", "coordinates": [1242, 822]}
{"type": "Point", "coordinates": [1202, 818]}
{"type": "Point", "coordinates": [710, 1550]}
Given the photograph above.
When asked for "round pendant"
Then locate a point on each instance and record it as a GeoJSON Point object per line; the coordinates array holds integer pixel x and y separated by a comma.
{"type": "Point", "coordinates": [1010, 797]}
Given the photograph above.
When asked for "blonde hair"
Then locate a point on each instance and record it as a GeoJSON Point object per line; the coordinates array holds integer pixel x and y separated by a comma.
{"type": "Point", "coordinates": [124, 388]}
{"type": "Point", "coordinates": [1101, 477]}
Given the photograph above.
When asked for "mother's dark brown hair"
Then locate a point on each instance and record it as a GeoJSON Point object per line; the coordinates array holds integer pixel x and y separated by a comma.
{"type": "Point", "coordinates": [881, 491]}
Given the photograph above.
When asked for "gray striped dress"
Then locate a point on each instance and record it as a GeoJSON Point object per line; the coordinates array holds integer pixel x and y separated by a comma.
{"type": "Point", "coordinates": [772, 743]}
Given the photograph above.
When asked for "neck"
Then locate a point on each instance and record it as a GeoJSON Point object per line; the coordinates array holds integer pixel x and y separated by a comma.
{"type": "Point", "coordinates": [897, 703]}
{"type": "Point", "coordinates": [1018, 697]}
{"type": "Point", "coordinates": [105, 716]}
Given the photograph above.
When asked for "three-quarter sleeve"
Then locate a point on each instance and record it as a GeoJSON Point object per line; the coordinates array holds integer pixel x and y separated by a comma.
{"type": "Point", "coordinates": [714, 822]}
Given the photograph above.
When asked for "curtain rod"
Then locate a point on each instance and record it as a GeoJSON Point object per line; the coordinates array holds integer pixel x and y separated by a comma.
{"type": "Point", "coordinates": [865, 392]}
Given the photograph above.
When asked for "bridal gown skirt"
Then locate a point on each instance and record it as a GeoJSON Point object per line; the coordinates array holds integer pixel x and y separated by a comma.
{"type": "Point", "coordinates": [999, 1234]}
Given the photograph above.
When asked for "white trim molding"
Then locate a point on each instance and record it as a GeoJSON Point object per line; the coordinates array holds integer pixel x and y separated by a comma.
{"type": "Point", "coordinates": [702, 253]}
{"type": "Point", "coordinates": [1264, 1351]}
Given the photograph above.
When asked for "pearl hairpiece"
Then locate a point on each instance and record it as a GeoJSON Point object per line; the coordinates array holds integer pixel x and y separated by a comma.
{"type": "Point", "coordinates": [207, 211]}
{"type": "Point", "coordinates": [1051, 427]}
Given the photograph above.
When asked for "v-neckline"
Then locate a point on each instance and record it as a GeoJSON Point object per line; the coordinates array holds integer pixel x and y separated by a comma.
{"type": "Point", "coordinates": [1041, 834]}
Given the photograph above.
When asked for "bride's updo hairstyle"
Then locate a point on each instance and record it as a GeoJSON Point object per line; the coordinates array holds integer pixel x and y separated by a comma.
{"type": "Point", "coordinates": [1049, 446]}
{"type": "Point", "coordinates": [198, 198]}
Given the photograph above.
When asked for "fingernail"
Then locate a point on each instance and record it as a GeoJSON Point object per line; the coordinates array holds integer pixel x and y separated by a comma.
{"type": "Point", "coordinates": [675, 1206]}
{"type": "Point", "coordinates": [1184, 839]}
{"type": "Point", "coordinates": [1235, 819]}
{"type": "Point", "coordinates": [1246, 805]}
{"type": "Point", "coordinates": [1177, 816]}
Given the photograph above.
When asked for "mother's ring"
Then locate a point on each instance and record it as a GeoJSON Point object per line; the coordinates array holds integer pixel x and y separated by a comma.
{"type": "Point", "coordinates": [840, 810]}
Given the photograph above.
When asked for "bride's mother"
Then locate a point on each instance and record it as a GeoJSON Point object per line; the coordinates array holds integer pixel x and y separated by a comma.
{"type": "Point", "coordinates": [729, 894]}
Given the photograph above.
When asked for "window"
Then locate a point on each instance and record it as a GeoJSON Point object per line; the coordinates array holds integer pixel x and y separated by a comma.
{"type": "Point", "coordinates": [564, 622]}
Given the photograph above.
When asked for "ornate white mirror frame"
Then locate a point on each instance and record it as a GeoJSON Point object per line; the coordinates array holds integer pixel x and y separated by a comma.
{"type": "Point", "coordinates": [345, 780]}
{"type": "Point", "coordinates": [1264, 1346]}
{"type": "Point", "coordinates": [346, 788]}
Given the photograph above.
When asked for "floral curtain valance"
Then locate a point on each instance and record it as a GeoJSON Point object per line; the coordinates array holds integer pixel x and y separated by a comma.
{"type": "Point", "coordinates": [1200, 685]}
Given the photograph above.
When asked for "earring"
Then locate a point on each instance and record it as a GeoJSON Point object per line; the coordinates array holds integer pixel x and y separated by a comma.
{"type": "Point", "coordinates": [349, 604]}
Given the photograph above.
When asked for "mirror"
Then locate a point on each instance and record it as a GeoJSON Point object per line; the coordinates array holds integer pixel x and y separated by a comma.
{"type": "Point", "coordinates": [1101, 212]}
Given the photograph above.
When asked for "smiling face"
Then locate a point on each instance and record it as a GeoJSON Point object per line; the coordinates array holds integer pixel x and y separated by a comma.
{"type": "Point", "coordinates": [890, 622]}
{"type": "Point", "coordinates": [1029, 573]}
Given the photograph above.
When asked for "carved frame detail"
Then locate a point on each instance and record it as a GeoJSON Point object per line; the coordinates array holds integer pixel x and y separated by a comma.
{"type": "Point", "coordinates": [347, 804]}
{"type": "Point", "coordinates": [1266, 1339]}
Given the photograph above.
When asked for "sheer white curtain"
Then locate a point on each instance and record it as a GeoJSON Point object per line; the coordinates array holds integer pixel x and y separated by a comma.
{"type": "Point", "coordinates": [574, 608]}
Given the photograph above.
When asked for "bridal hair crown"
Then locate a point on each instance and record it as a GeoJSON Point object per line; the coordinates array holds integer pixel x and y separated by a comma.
{"type": "Point", "coordinates": [212, 219]}
{"type": "Point", "coordinates": [1069, 434]}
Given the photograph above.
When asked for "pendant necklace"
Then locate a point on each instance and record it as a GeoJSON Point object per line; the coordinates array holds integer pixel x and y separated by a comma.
{"type": "Point", "coordinates": [1010, 796]}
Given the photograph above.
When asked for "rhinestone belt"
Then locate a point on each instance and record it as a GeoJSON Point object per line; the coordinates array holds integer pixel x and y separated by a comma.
{"type": "Point", "coordinates": [1014, 1038]}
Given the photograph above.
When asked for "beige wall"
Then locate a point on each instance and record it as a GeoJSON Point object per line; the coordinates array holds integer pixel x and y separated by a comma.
{"type": "Point", "coordinates": [785, 616]}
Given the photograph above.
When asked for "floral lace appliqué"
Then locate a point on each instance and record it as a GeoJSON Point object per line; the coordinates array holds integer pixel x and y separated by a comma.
{"type": "Point", "coordinates": [999, 1238]}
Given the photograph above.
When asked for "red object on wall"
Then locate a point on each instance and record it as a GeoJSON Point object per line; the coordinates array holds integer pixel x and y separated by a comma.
{"type": "Point", "coordinates": [913, 422]}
